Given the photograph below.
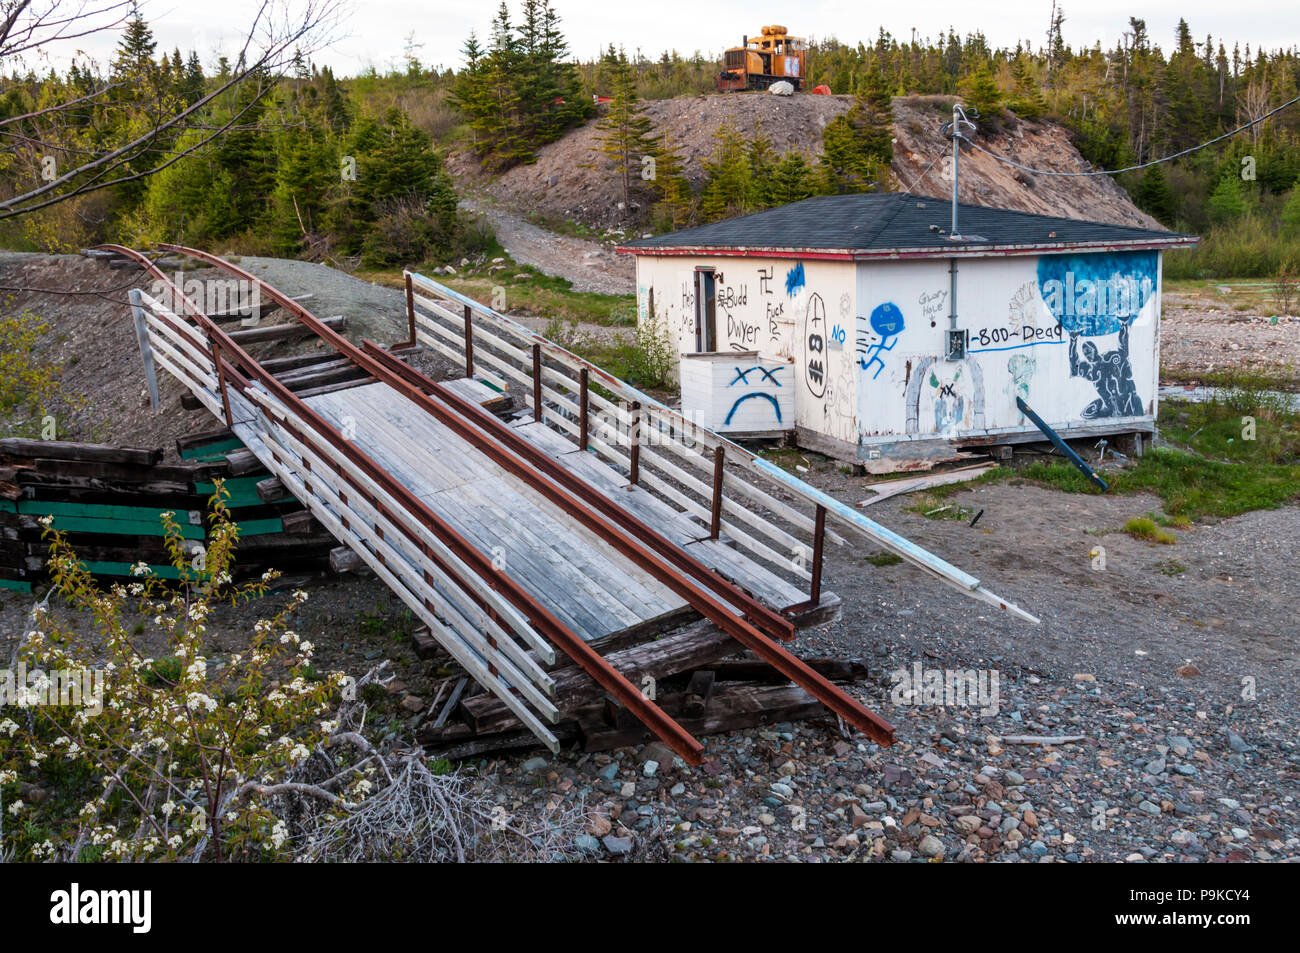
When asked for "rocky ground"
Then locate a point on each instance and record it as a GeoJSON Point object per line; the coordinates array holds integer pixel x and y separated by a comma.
{"type": "Point", "coordinates": [1212, 328]}
{"type": "Point", "coordinates": [573, 181]}
{"type": "Point", "coordinates": [1179, 684]}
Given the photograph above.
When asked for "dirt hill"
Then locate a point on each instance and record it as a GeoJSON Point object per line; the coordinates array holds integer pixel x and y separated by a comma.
{"type": "Point", "coordinates": [572, 180]}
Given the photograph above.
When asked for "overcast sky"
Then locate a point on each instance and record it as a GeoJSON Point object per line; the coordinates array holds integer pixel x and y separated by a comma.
{"type": "Point", "coordinates": [375, 31]}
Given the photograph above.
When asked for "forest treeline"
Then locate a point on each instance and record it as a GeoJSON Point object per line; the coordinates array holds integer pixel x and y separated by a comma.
{"type": "Point", "coordinates": [355, 167]}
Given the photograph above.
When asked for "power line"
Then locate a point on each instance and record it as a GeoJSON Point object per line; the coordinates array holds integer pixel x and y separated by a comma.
{"type": "Point", "coordinates": [1132, 168]}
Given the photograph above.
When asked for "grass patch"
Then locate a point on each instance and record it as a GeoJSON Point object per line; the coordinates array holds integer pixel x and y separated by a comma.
{"type": "Point", "coordinates": [522, 288]}
{"type": "Point", "coordinates": [1238, 453]}
{"type": "Point", "coordinates": [933, 505]}
{"type": "Point", "coordinates": [1145, 528]}
{"type": "Point", "coordinates": [884, 558]}
{"type": "Point", "coordinates": [1170, 567]}
{"type": "Point", "coordinates": [646, 358]}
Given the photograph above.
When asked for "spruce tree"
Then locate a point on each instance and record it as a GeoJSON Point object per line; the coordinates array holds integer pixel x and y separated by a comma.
{"type": "Point", "coordinates": [674, 189]}
{"type": "Point", "coordinates": [728, 184]}
{"type": "Point", "coordinates": [626, 134]}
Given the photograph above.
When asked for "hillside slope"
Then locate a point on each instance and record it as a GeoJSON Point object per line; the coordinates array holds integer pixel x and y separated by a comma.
{"type": "Point", "coordinates": [572, 180]}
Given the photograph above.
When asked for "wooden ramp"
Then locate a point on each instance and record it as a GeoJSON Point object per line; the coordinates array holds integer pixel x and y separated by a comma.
{"type": "Point", "coordinates": [588, 584]}
{"type": "Point", "coordinates": [586, 522]}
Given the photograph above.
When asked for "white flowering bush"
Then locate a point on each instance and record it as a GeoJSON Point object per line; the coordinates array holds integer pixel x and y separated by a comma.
{"type": "Point", "coordinates": [187, 758]}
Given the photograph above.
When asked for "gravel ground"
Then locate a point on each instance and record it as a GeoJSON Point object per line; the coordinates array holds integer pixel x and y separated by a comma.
{"type": "Point", "coordinates": [1197, 766]}
{"type": "Point", "coordinates": [589, 265]}
{"type": "Point", "coordinates": [1198, 337]}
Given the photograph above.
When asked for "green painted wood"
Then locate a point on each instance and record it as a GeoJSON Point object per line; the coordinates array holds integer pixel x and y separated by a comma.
{"type": "Point", "coordinates": [7, 506]}
{"type": "Point", "coordinates": [96, 568]}
{"type": "Point", "coordinates": [104, 511]}
{"type": "Point", "coordinates": [82, 524]}
{"type": "Point", "coordinates": [17, 585]}
{"type": "Point", "coordinates": [243, 491]}
{"type": "Point", "coordinates": [260, 527]}
{"type": "Point", "coordinates": [211, 450]}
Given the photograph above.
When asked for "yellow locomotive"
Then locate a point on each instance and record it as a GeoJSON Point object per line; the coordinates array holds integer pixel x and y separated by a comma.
{"type": "Point", "coordinates": [763, 60]}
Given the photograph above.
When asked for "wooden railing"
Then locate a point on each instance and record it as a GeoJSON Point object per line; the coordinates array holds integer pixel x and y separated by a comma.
{"type": "Point", "coordinates": [728, 490]}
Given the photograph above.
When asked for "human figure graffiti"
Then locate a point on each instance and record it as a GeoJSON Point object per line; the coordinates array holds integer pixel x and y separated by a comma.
{"type": "Point", "coordinates": [1021, 368]}
{"type": "Point", "coordinates": [886, 321]}
{"type": "Point", "coordinates": [1111, 374]}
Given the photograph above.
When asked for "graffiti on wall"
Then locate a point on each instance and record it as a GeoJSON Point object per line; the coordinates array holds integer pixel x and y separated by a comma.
{"type": "Point", "coordinates": [814, 356]}
{"type": "Point", "coordinates": [794, 280]}
{"type": "Point", "coordinates": [1095, 296]}
{"type": "Point", "coordinates": [1020, 370]}
{"type": "Point", "coordinates": [949, 393]}
{"type": "Point", "coordinates": [1111, 373]}
{"type": "Point", "coordinates": [767, 375]}
{"type": "Point", "coordinates": [887, 322]}
{"type": "Point", "coordinates": [931, 304]}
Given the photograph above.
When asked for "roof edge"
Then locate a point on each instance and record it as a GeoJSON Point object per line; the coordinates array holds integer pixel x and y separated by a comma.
{"type": "Point", "coordinates": [1175, 240]}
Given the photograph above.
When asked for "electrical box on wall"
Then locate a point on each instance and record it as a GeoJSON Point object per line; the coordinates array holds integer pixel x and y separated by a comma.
{"type": "Point", "coordinates": [957, 341]}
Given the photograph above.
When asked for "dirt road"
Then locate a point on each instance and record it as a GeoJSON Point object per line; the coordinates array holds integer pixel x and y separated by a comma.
{"type": "Point", "coordinates": [589, 265]}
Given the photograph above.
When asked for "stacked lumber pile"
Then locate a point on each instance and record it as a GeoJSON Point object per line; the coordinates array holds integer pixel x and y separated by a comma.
{"type": "Point", "coordinates": [109, 501]}
{"type": "Point", "coordinates": [697, 674]}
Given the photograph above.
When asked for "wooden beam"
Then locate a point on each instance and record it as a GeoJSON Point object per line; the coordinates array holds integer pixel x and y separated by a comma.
{"type": "Point", "coordinates": [695, 645]}
{"type": "Point", "coordinates": [270, 490]}
{"type": "Point", "coordinates": [283, 332]}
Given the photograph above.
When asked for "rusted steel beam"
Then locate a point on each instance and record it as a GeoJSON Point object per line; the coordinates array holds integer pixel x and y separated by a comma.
{"type": "Point", "coordinates": [583, 422]}
{"type": "Point", "coordinates": [543, 620]}
{"type": "Point", "coordinates": [719, 473]}
{"type": "Point", "coordinates": [637, 540]}
{"type": "Point", "coordinates": [633, 444]}
{"type": "Point", "coordinates": [537, 376]}
{"type": "Point", "coordinates": [819, 539]}
{"type": "Point", "coordinates": [469, 340]}
{"type": "Point", "coordinates": [410, 313]}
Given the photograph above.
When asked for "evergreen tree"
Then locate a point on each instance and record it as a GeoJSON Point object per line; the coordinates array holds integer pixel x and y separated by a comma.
{"type": "Point", "coordinates": [1228, 201]}
{"type": "Point", "coordinates": [1029, 102]}
{"type": "Point", "coordinates": [1154, 194]}
{"type": "Point", "coordinates": [728, 184]}
{"type": "Point", "coordinates": [791, 180]}
{"type": "Point", "coordinates": [1291, 213]}
{"type": "Point", "coordinates": [675, 195]}
{"type": "Point", "coordinates": [133, 61]}
{"type": "Point", "coordinates": [981, 91]}
{"type": "Point", "coordinates": [626, 134]}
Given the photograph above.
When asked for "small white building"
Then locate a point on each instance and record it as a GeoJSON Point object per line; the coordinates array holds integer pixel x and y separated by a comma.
{"type": "Point", "coordinates": [859, 323]}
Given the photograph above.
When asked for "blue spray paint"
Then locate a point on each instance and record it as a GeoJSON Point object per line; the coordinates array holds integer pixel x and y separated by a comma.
{"type": "Point", "coordinates": [794, 280]}
{"type": "Point", "coordinates": [742, 375]}
{"type": "Point", "coordinates": [740, 400]}
{"type": "Point", "coordinates": [886, 321]}
{"type": "Point", "coordinates": [1097, 294]}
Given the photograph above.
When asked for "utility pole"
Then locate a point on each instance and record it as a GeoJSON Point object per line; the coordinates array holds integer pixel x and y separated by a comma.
{"type": "Point", "coordinates": [956, 349]}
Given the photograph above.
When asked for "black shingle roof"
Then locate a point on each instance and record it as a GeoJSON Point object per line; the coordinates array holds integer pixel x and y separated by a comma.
{"type": "Point", "coordinates": [884, 222]}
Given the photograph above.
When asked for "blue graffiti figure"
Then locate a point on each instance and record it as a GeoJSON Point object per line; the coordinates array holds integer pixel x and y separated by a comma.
{"type": "Point", "coordinates": [1111, 374]}
{"type": "Point", "coordinates": [886, 321]}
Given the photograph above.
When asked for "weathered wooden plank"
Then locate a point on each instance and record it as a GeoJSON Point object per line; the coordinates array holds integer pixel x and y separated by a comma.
{"type": "Point", "coordinates": [83, 452]}
{"type": "Point", "coordinates": [283, 332]}
{"type": "Point", "coordinates": [694, 645]}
